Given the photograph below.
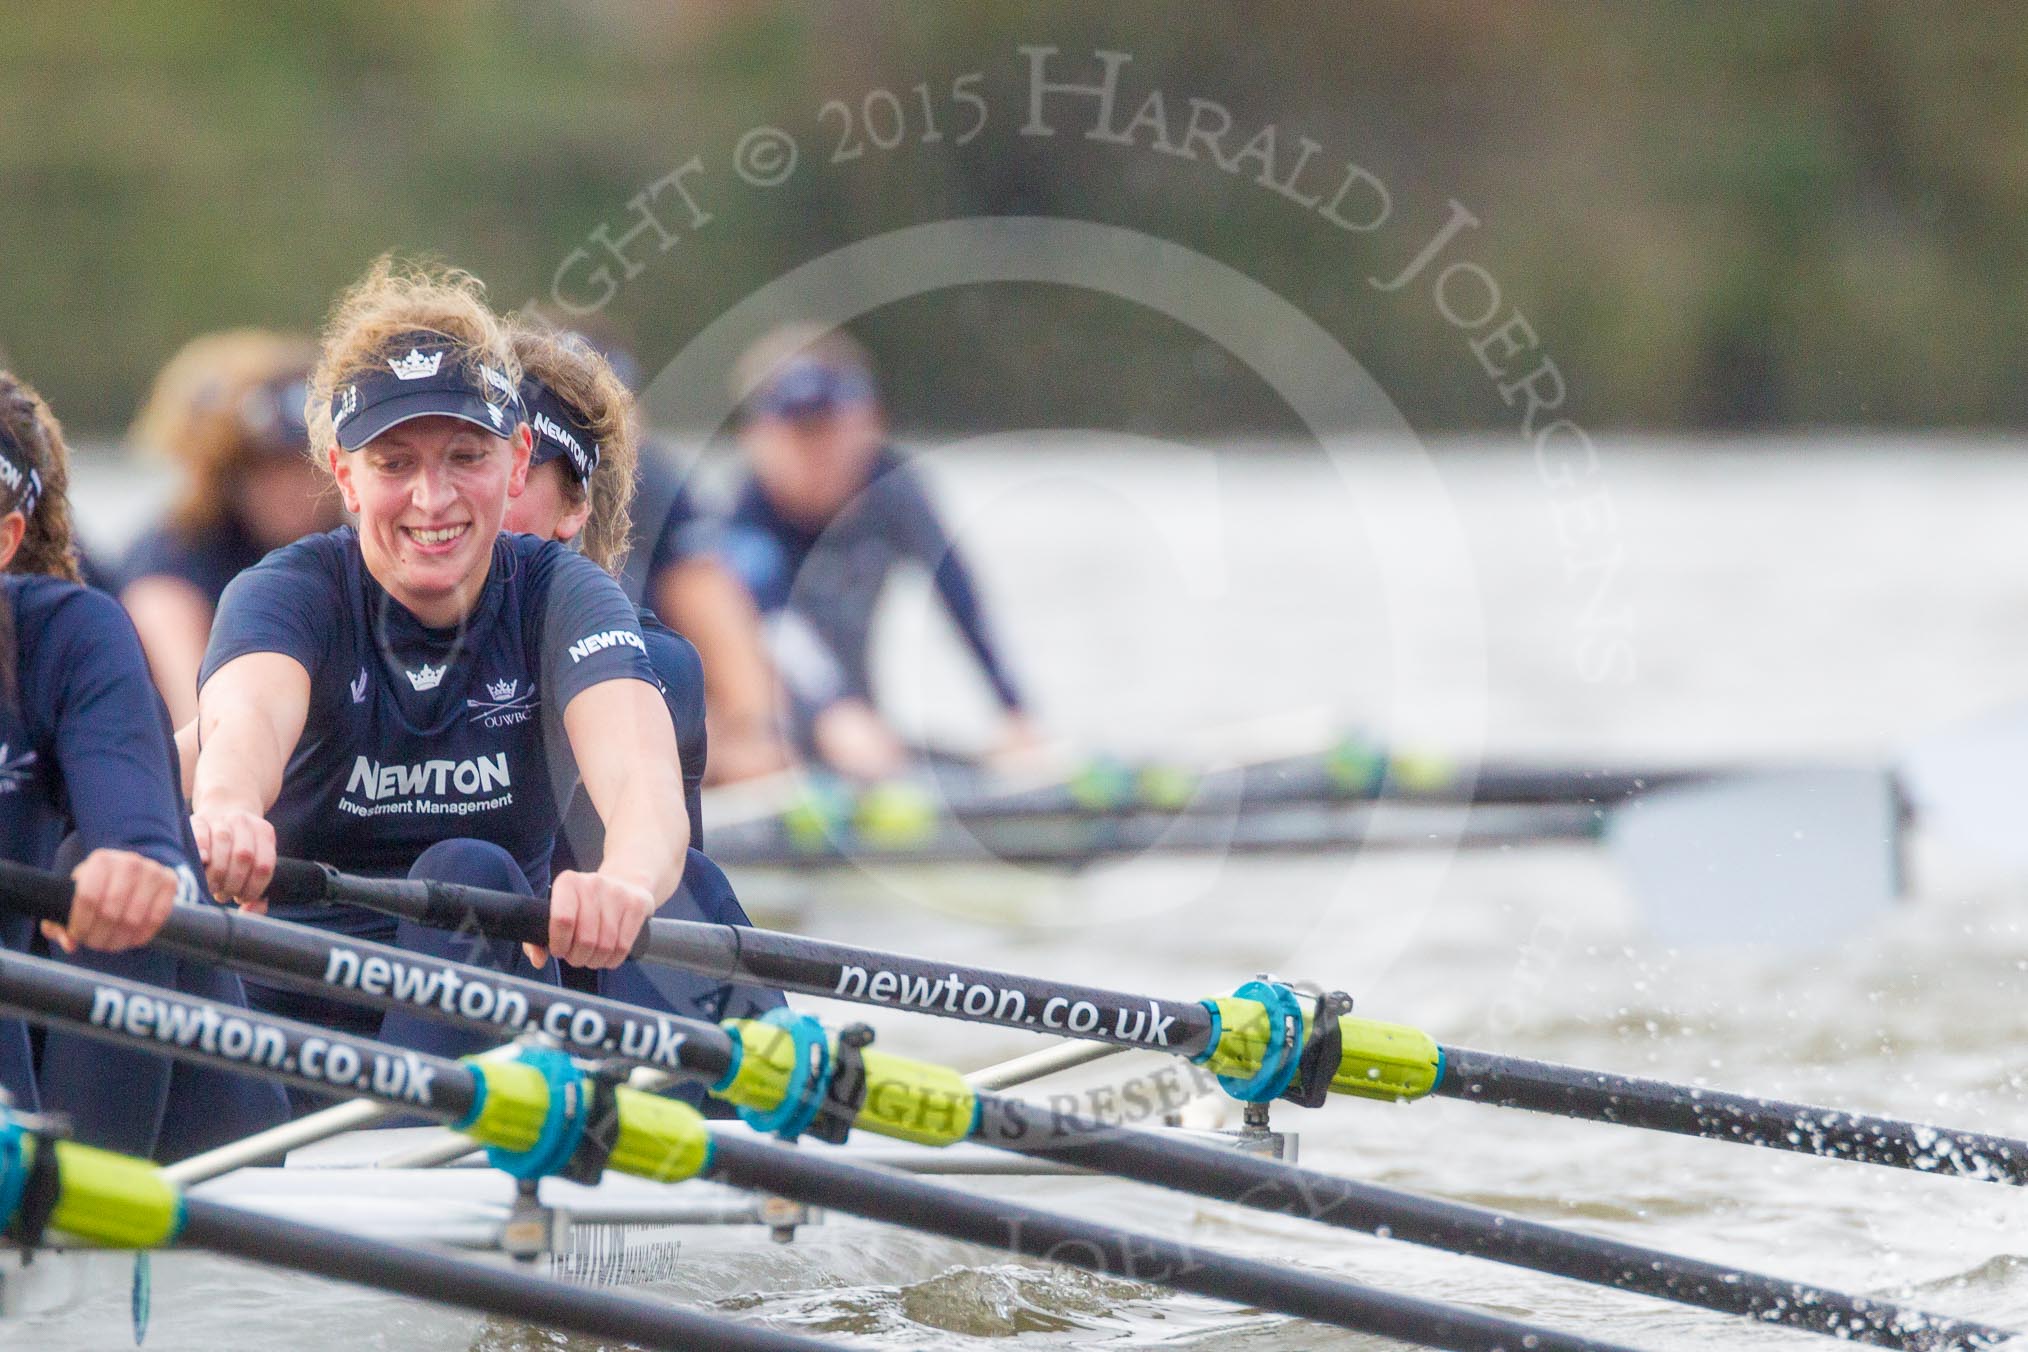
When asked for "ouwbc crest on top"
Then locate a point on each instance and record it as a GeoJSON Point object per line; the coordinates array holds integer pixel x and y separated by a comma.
{"type": "Point", "coordinates": [417, 365]}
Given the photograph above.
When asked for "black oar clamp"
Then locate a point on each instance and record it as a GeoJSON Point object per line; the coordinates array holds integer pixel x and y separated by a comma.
{"type": "Point", "coordinates": [41, 1189]}
{"type": "Point", "coordinates": [1311, 1087]}
{"type": "Point", "coordinates": [587, 1164]}
{"type": "Point", "coordinates": [846, 1090]}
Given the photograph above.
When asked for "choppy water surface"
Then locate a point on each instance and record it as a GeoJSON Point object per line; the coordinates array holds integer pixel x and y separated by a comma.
{"type": "Point", "coordinates": [1772, 601]}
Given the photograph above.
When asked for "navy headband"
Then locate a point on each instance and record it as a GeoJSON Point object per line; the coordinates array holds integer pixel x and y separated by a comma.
{"type": "Point", "coordinates": [18, 474]}
{"type": "Point", "coordinates": [559, 431]}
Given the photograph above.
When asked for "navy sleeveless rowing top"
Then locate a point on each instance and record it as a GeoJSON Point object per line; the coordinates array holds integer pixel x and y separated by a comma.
{"type": "Point", "coordinates": [86, 753]}
{"type": "Point", "coordinates": [417, 735]}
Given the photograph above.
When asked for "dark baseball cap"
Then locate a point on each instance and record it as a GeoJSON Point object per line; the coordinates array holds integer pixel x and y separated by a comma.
{"type": "Point", "coordinates": [807, 388]}
{"type": "Point", "coordinates": [272, 415]}
{"type": "Point", "coordinates": [426, 375]}
{"type": "Point", "coordinates": [559, 431]}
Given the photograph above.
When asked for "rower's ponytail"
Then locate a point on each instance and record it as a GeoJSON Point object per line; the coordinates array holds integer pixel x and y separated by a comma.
{"type": "Point", "coordinates": [26, 424]}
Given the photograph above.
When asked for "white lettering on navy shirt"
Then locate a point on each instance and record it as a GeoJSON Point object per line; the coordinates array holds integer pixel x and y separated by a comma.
{"type": "Point", "coordinates": [427, 788]}
{"type": "Point", "coordinates": [611, 638]}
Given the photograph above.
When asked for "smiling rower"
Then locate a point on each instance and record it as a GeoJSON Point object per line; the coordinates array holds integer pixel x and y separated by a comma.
{"type": "Point", "coordinates": [416, 696]}
{"type": "Point", "coordinates": [88, 785]}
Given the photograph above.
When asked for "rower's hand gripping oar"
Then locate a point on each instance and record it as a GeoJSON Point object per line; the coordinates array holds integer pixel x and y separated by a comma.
{"type": "Point", "coordinates": [541, 1115]}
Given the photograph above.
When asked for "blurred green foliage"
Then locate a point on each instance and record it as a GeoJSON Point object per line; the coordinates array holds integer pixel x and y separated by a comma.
{"type": "Point", "coordinates": [1712, 214]}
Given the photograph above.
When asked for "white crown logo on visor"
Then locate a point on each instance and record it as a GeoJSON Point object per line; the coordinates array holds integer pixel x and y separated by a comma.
{"type": "Point", "coordinates": [416, 366]}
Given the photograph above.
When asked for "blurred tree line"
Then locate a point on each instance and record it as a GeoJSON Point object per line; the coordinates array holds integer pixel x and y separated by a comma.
{"type": "Point", "coordinates": [1712, 215]}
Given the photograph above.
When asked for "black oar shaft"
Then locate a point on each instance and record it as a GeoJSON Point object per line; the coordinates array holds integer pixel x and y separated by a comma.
{"type": "Point", "coordinates": [1566, 1091]}
{"type": "Point", "coordinates": [819, 967]}
{"type": "Point", "coordinates": [998, 1223]}
{"type": "Point", "coordinates": [134, 1015]}
{"type": "Point", "coordinates": [1265, 1185]}
{"type": "Point", "coordinates": [1268, 1185]}
{"type": "Point", "coordinates": [188, 1029]}
{"type": "Point", "coordinates": [1300, 828]}
{"type": "Point", "coordinates": [813, 966]}
{"type": "Point", "coordinates": [433, 1276]}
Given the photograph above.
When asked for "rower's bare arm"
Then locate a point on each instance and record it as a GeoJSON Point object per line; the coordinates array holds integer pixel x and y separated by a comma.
{"type": "Point", "coordinates": [626, 753]}
{"type": "Point", "coordinates": [250, 716]}
{"type": "Point", "coordinates": [174, 621]}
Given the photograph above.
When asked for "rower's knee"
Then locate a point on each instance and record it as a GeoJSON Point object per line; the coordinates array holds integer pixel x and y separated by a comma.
{"type": "Point", "coordinates": [475, 863]}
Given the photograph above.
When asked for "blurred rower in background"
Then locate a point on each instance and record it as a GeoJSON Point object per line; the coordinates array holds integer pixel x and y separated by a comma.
{"type": "Point", "coordinates": [672, 567]}
{"type": "Point", "coordinates": [228, 411]}
{"type": "Point", "coordinates": [826, 513]}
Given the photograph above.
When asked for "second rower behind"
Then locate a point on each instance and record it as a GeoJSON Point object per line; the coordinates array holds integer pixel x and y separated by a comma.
{"type": "Point", "coordinates": [580, 481]}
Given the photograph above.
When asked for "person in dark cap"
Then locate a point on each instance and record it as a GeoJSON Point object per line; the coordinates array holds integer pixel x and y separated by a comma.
{"type": "Point", "coordinates": [228, 412]}
{"type": "Point", "coordinates": [827, 512]}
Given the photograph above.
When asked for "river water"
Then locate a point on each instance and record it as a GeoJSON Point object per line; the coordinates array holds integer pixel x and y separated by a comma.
{"type": "Point", "coordinates": [1740, 600]}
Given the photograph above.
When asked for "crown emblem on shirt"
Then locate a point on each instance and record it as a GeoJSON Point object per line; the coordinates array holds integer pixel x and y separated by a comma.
{"type": "Point", "coordinates": [14, 770]}
{"type": "Point", "coordinates": [415, 366]}
{"type": "Point", "coordinates": [429, 678]}
{"type": "Point", "coordinates": [503, 689]}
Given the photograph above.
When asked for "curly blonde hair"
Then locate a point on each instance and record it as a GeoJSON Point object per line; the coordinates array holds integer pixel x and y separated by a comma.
{"type": "Point", "coordinates": [48, 547]}
{"type": "Point", "coordinates": [393, 301]}
{"type": "Point", "coordinates": [194, 414]}
{"type": "Point", "coordinates": [576, 373]}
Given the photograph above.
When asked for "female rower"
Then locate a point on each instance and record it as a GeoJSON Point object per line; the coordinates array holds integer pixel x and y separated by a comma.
{"type": "Point", "coordinates": [827, 513]}
{"type": "Point", "coordinates": [228, 410]}
{"type": "Point", "coordinates": [580, 482]}
{"type": "Point", "coordinates": [415, 696]}
{"type": "Point", "coordinates": [88, 784]}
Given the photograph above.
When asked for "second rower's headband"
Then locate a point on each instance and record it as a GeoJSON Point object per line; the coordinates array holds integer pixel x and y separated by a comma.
{"type": "Point", "coordinates": [426, 375]}
{"type": "Point", "coordinates": [559, 431]}
{"type": "Point", "coordinates": [18, 475]}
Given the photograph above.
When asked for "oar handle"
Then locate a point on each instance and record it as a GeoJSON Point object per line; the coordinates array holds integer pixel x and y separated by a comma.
{"type": "Point", "coordinates": [440, 905]}
{"type": "Point", "coordinates": [36, 893]}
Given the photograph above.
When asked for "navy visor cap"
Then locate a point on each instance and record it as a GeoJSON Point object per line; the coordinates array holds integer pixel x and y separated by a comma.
{"type": "Point", "coordinates": [425, 375]}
